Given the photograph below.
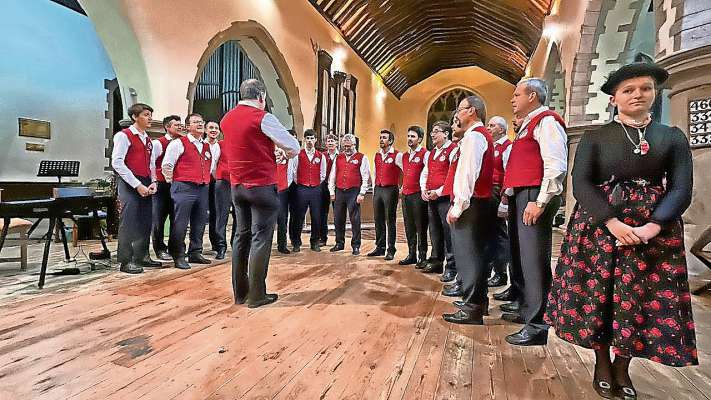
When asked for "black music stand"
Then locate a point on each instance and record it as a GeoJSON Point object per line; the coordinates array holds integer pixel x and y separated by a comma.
{"type": "Point", "coordinates": [58, 169]}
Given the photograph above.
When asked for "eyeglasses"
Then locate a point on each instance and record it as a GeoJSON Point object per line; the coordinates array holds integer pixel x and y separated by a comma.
{"type": "Point", "coordinates": [461, 108]}
{"type": "Point", "coordinates": [436, 131]}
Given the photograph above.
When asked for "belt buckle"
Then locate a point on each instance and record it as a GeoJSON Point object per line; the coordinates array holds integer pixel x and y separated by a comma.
{"type": "Point", "coordinates": [641, 181]}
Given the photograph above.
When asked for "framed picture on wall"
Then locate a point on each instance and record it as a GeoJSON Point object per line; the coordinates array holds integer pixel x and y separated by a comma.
{"type": "Point", "coordinates": [34, 128]}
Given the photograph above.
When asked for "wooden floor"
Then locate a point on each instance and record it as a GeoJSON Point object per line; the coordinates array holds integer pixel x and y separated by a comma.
{"type": "Point", "coordinates": [344, 328]}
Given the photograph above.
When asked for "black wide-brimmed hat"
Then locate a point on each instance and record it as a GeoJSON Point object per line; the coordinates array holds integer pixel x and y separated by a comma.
{"type": "Point", "coordinates": [634, 70]}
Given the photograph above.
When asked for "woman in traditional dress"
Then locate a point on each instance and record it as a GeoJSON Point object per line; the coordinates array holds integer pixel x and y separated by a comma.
{"type": "Point", "coordinates": [621, 278]}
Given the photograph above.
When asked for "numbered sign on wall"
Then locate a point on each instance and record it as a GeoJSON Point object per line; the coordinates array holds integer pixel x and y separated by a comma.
{"type": "Point", "coordinates": [700, 122]}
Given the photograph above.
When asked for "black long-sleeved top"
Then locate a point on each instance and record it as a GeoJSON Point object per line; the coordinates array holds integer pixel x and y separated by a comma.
{"type": "Point", "coordinates": [607, 152]}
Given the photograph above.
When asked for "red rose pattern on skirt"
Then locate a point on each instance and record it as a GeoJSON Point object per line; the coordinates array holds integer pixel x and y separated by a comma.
{"type": "Point", "coordinates": [633, 298]}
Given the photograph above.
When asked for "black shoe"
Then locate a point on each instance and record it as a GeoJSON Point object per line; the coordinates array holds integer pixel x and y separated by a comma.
{"type": "Point", "coordinates": [605, 389]}
{"type": "Point", "coordinates": [624, 392]}
{"type": "Point", "coordinates": [181, 263]}
{"type": "Point", "coordinates": [497, 280]}
{"type": "Point", "coordinates": [322, 242]}
{"type": "Point", "coordinates": [448, 276]}
{"type": "Point", "coordinates": [268, 299]}
{"type": "Point", "coordinates": [389, 256]}
{"type": "Point", "coordinates": [524, 338]}
{"type": "Point", "coordinates": [421, 264]}
{"type": "Point", "coordinates": [283, 250]}
{"type": "Point", "coordinates": [295, 249]}
{"type": "Point", "coordinates": [453, 291]}
{"type": "Point", "coordinates": [433, 267]}
{"type": "Point", "coordinates": [315, 247]}
{"type": "Point", "coordinates": [465, 317]}
{"type": "Point", "coordinates": [337, 247]}
{"type": "Point", "coordinates": [220, 254]}
{"type": "Point", "coordinates": [131, 268]}
{"type": "Point", "coordinates": [356, 251]}
{"type": "Point", "coordinates": [512, 307]}
{"type": "Point", "coordinates": [198, 259]}
{"type": "Point", "coordinates": [148, 263]}
{"type": "Point", "coordinates": [376, 253]}
{"type": "Point", "coordinates": [513, 317]}
{"type": "Point", "coordinates": [462, 305]}
{"type": "Point", "coordinates": [506, 295]}
{"type": "Point", "coordinates": [409, 260]}
{"type": "Point", "coordinates": [163, 255]}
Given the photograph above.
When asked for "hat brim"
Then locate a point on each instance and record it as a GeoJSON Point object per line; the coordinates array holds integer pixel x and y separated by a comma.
{"type": "Point", "coordinates": [634, 70]}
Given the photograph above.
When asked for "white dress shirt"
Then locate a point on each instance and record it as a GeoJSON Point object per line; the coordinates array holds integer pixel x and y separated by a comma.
{"type": "Point", "coordinates": [507, 152]}
{"type": "Point", "coordinates": [158, 146]}
{"type": "Point", "coordinates": [471, 155]}
{"type": "Point", "coordinates": [425, 172]}
{"type": "Point", "coordinates": [553, 141]}
{"type": "Point", "coordinates": [276, 132]}
{"type": "Point", "coordinates": [398, 156]}
{"type": "Point", "coordinates": [118, 156]}
{"type": "Point", "coordinates": [364, 175]}
{"type": "Point", "coordinates": [216, 152]}
{"type": "Point", "coordinates": [175, 149]}
{"type": "Point", "coordinates": [310, 156]}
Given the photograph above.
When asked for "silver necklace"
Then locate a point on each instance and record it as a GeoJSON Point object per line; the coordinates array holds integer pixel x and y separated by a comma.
{"type": "Point", "coordinates": [642, 147]}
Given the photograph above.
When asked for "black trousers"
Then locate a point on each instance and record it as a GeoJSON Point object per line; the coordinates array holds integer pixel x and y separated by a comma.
{"type": "Point", "coordinates": [306, 198]}
{"type": "Point", "coordinates": [385, 212]}
{"type": "Point", "coordinates": [256, 209]}
{"type": "Point", "coordinates": [325, 205]}
{"type": "Point", "coordinates": [531, 256]}
{"type": "Point", "coordinates": [439, 232]}
{"type": "Point", "coordinates": [346, 201]}
{"type": "Point", "coordinates": [190, 206]}
{"type": "Point", "coordinates": [220, 203]}
{"type": "Point", "coordinates": [470, 235]}
{"type": "Point", "coordinates": [162, 209]}
{"type": "Point", "coordinates": [135, 223]}
{"type": "Point", "coordinates": [414, 212]}
{"type": "Point", "coordinates": [282, 218]}
{"type": "Point", "coordinates": [498, 246]}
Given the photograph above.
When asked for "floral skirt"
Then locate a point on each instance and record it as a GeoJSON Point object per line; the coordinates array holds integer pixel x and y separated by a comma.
{"type": "Point", "coordinates": [632, 298]}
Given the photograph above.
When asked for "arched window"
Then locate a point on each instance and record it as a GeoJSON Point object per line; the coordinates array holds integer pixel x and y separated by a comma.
{"type": "Point", "coordinates": [443, 107]}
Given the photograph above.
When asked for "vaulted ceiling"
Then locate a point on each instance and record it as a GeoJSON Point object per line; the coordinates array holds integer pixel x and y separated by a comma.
{"type": "Point", "coordinates": [406, 41]}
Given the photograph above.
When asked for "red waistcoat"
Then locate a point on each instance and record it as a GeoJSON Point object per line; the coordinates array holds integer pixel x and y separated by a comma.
{"type": "Point", "coordinates": [282, 181]}
{"type": "Point", "coordinates": [222, 171]}
{"type": "Point", "coordinates": [159, 160]}
{"type": "Point", "coordinates": [499, 150]}
{"type": "Point", "coordinates": [437, 167]}
{"type": "Point", "coordinates": [525, 167]}
{"type": "Point", "coordinates": [348, 172]}
{"type": "Point", "coordinates": [411, 171]}
{"type": "Point", "coordinates": [308, 173]}
{"type": "Point", "coordinates": [387, 173]}
{"type": "Point", "coordinates": [483, 184]}
{"type": "Point", "coordinates": [193, 166]}
{"type": "Point", "coordinates": [250, 153]}
{"type": "Point", "coordinates": [138, 156]}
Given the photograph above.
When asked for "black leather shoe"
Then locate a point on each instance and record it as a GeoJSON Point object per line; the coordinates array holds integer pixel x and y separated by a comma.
{"type": "Point", "coordinates": [421, 264]}
{"type": "Point", "coordinates": [376, 253]}
{"type": "Point", "coordinates": [336, 248]}
{"type": "Point", "coordinates": [432, 268]}
{"type": "Point", "coordinates": [448, 276]}
{"type": "Point", "coordinates": [624, 392]}
{"type": "Point", "coordinates": [315, 247]}
{"type": "Point", "coordinates": [220, 254]}
{"type": "Point", "coordinates": [506, 295]}
{"type": "Point", "coordinates": [497, 280]}
{"type": "Point", "coordinates": [295, 249]}
{"type": "Point", "coordinates": [389, 256]}
{"type": "Point", "coordinates": [198, 259]}
{"type": "Point", "coordinates": [513, 317]}
{"type": "Point", "coordinates": [323, 242]}
{"type": "Point", "coordinates": [462, 305]}
{"type": "Point", "coordinates": [409, 260]}
{"type": "Point", "coordinates": [131, 268]}
{"type": "Point", "coordinates": [148, 263]}
{"type": "Point", "coordinates": [268, 299]}
{"type": "Point", "coordinates": [356, 251]}
{"type": "Point", "coordinates": [604, 388]}
{"type": "Point", "coordinates": [465, 317]}
{"type": "Point", "coordinates": [163, 255]}
{"type": "Point", "coordinates": [453, 291]}
{"type": "Point", "coordinates": [283, 250]}
{"type": "Point", "coordinates": [512, 307]}
{"type": "Point", "coordinates": [524, 338]}
{"type": "Point", "coordinates": [181, 263]}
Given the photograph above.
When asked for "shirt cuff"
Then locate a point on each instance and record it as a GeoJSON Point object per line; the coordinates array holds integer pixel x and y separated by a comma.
{"type": "Point", "coordinates": [439, 191]}
{"type": "Point", "coordinates": [459, 207]}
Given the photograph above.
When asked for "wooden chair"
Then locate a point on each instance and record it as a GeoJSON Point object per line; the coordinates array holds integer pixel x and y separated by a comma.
{"type": "Point", "coordinates": [20, 227]}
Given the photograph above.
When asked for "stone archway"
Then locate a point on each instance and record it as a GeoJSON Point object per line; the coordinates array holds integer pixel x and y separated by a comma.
{"type": "Point", "coordinates": [263, 51]}
{"type": "Point", "coordinates": [555, 78]}
{"type": "Point", "coordinates": [442, 106]}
